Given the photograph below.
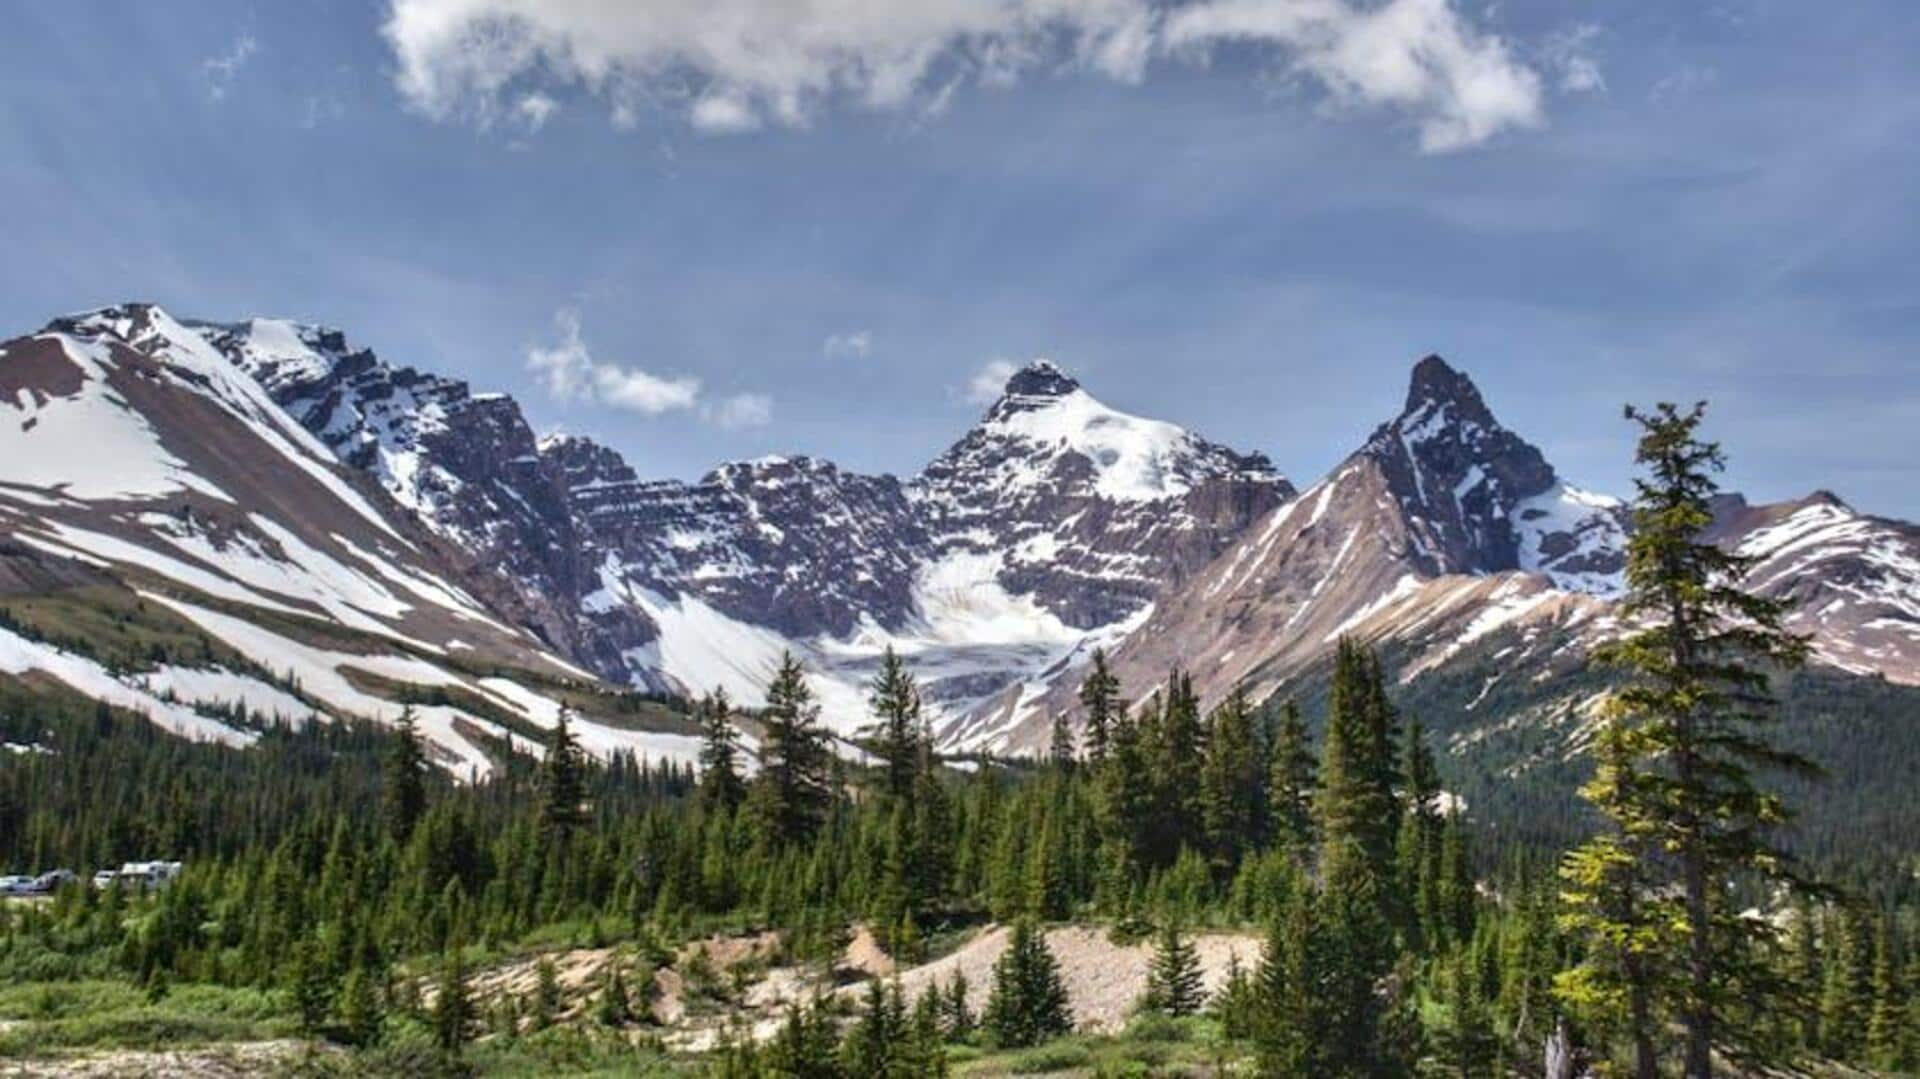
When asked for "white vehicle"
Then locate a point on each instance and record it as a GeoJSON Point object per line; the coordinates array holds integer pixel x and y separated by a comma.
{"type": "Point", "coordinates": [16, 885]}
{"type": "Point", "coordinates": [104, 878]}
{"type": "Point", "coordinates": [148, 874]}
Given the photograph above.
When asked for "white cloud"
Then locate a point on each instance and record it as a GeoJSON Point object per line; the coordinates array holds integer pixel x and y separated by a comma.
{"type": "Point", "coordinates": [1417, 57]}
{"type": "Point", "coordinates": [850, 345]}
{"type": "Point", "coordinates": [569, 372]}
{"type": "Point", "coordinates": [730, 66]}
{"type": "Point", "coordinates": [219, 71]}
{"type": "Point", "coordinates": [742, 410]}
{"type": "Point", "coordinates": [990, 381]}
{"type": "Point", "coordinates": [536, 108]}
{"type": "Point", "coordinates": [1569, 54]}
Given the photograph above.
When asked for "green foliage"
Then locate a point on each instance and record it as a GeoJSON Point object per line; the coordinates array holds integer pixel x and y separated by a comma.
{"type": "Point", "coordinates": [1173, 980]}
{"type": "Point", "coordinates": [1029, 1002]}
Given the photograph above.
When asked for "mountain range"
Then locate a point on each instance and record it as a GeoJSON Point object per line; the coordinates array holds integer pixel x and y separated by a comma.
{"type": "Point", "coordinates": [195, 515]}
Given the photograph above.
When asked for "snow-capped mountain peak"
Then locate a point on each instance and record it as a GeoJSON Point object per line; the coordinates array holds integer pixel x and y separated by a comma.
{"type": "Point", "coordinates": [1478, 498]}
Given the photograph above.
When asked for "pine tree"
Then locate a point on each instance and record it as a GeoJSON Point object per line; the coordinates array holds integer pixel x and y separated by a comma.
{"type": "Point", "coordinates": [795, 786]}
{"type": "Point", "coordinates": [1698, 699]}
{"type": "Point", "coordinates": [1173, 979]}
{"type": "Point", "coordinates": [546, 994]}
{"type": "Point", "coordinates": [1176, 756]}
{"type": "Point", "coordinates": [1100, 696]}
{"type": "Point", "coordinates": [1233, 788]}
{"type": "Point", "coordinates": [404, 791]}
{"type": "Point", "coordinates": [1886, 1016]}
{"type": "Point", "coordinates": [313, 988]}
{"type": "Point", "coordinates": [1356, 810]}
{"type": "Point", "coordinates": [453, 1012]}
{"type": "Point", "coordinates": [1607, 899]}
{"type": "Point", "coordinates": [359, 1008]}
{"type": "Point", "coordinates": [1060, 752]}
{"type": "Point", "coordinates": [613, 1008]}
{"type": "Point", "coordinates": [562, 785]}
{"type": "Point", "coordinates": [805, 1047]}
{"type": "Point", "coordinates": [956, 1017]}
{"type": "Point", "coordinates": [721, 788]}
{"type": "Point", "coordinates": [1029, 1002]}
{"type": "Point", "coordinates": [1292, 785]}
{"type": "Point", "coordinates": [894, 737]}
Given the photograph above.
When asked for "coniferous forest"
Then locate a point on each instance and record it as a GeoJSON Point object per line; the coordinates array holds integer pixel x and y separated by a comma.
{"type": "Point", "coordinates": [339, 890]}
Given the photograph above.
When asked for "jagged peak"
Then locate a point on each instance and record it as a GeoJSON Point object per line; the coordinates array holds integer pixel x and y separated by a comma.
{"type": "Point", "coordinates": [1040, 378]}
{"type": "Point", "coordinates": [1436, 383]}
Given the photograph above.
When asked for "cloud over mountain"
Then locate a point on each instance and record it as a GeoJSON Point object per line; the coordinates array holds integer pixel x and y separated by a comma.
{"type": "Point", "coordinates": [728, 66]}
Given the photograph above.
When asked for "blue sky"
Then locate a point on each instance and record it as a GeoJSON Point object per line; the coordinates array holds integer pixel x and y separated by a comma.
{"type": "Point", "coordinates": [707, 229]}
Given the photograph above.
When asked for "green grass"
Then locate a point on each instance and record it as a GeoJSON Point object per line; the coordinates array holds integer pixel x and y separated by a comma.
{"type": "Point", "coordinates": [57, 1016]}
{"type": "Point", "coordinates": [1150, 1045]}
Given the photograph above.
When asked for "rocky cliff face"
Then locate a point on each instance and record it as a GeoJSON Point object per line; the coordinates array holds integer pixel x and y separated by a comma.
{"type": "Point", "coordinates": [273, 462]}
{"type": "Point", "coordinates": [1445, 530]}
{"type": "Point", "coordinates": [1089, 510]}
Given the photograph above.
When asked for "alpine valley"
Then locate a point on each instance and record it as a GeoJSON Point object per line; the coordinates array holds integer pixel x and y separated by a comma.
{"type": "Point", "coordinates": [220, 524]}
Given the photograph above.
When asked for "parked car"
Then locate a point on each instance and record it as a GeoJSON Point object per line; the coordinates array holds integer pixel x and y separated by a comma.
{"type": "Point", "coordinates": [105, 878]}
{"type": "Point", "coordinates": [16, 885]}
{"type": "Point", "coordinates": [148, 874]}
{"type": "Point", "coordinates": [53, 880]}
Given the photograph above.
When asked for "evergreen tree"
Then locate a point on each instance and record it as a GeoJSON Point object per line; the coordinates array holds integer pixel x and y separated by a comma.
{"type": "Point", "coordinates": [1173, 979]}
{"type": "Point", "coordinates": [795, 786]}
{"type": "Point", "coordinates": [405, 778]}
{"type": "Point", "coordinates": [1100, 697]}
{"type": "Point", "coordinates": [1233, 790]}
{"type": "Point", "coordinates": [805, 1047]}
{"type": "Point", "coordinates": [359, 1008]}
{"type": "Point", "coordinates": [313, 988]}
{"type": "Point", "coordinates": [1356, 809]}
{"type": "Point", "coordinates": [1029, 1002]}
{"type": "Point", "coordinates": [956, 1018]}
{"type": "Point", "coordinates": [1292, 784]}
{"type": "Point", "coordinates": [546, 994]}
{"type": "Point", "coordinates": [1697, 699]}
{"type": "Point", "coordinates": [894, 737]}
{"type": "Point", "coordinates": [721, 788]}
{"type": "Point", "coordinates": [1060, 751]}
{"type": "Point", "coordinates": [1886, 1015]}
{"type": "Point", "coordinates": [1607, 899]}
{"type": "Point", "coordinates": [562, 788]}
{"type": "Point", "coordinates": [453, 1012]}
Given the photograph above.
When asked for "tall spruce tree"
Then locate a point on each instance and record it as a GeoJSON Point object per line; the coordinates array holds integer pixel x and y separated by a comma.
{"type": "Point", "coordinates": [1356, 808]}
{"type": "Point", "coordinates": [1028, 1004]}
{"type": "Point", "coordinates": [404, 793]}
{"type": "Point", "coordinates": [1173, 978]}
{"type": "Point", "coordinates": [894, 735]}
{"type": "Point", "coordinates": [1608, 900]}
{"type": "Point", "coordinates": [563, 791]}
{"type": "Point", "coordinates": [721, 787]}
{"type": "Point", "coordinates": [1293, 783]}
{"type": "Point", "coordinates": [1232, 785]}
{"type": "Point", "coordinates": [1698, 701]}
{"type": "Point", "coordinates": [1100, 696]}
{"type": "Point", "coordinates": [794, 789]}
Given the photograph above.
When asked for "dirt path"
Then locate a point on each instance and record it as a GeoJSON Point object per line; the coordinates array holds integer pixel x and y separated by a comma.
{"type": "Point", "coordinates": [1104, 980]}
{"type": "Point", "coordinates": [229, 1061]}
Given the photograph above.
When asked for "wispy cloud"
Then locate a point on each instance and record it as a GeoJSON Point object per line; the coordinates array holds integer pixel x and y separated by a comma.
{"type": "Point", "coordinates": [1569, 54]}
{"type": "Point", "coordinates": [731, 66]}
{"type": "Point", "coordinates": [990, 381]}
{"type": "Point", "coordinates": [849, 345]}
{"type": "Point", "coordinates": [569, 372]}
{"type": "Point", "coordinates": [218, 72]}
{"type": "Point", "coordinates": [741, 410]}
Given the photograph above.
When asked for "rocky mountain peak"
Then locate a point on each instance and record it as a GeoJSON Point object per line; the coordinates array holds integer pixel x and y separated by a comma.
{"type": "Point", "coordinates": [1478, 498]}
{"type": "Point", "coordinates": [1437, 383]}
{"type": "Point", "coordinates": [1040, 378]}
